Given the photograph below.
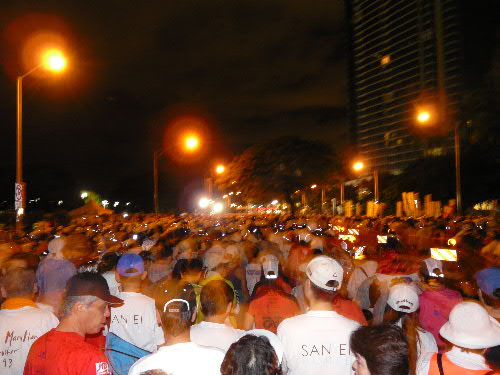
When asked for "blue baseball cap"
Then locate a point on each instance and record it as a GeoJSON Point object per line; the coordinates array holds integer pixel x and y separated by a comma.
{"type": "Point", "coordinates": [130, 265]}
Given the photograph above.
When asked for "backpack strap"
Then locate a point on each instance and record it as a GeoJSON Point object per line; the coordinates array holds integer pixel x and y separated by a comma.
{"type": "Point", "coordinates": [440, 363]}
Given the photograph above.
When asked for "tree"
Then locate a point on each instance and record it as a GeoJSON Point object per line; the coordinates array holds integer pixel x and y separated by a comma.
{"type": "Point", "coordinates": [278, 168]}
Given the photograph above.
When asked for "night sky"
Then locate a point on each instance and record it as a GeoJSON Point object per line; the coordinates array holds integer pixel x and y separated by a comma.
{"type": "Point", "coordinates": [253, 70]}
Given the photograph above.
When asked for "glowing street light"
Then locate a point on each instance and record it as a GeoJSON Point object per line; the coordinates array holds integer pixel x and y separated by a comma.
{"type": "Point", "coordinates": [84, 195]}
{"type": "Point", "coordinates": [204, 202]}
{"type": "Point", "coordinates": [220, 169]}
{"type": "Point", "coordinates": [192, 143]}
{"type": "Point", "coordinates": [218, 208]}
{"type": "Point", "coordinates": [357, 166]}
{"type": "Point", "coordinates": [314, 186]}
{"type": "Point", "coordinates": [54, 60]}
{"type": "Point", "coordinates": [423, 117]}
{"type": "Point", "coordinates": [274, 202]}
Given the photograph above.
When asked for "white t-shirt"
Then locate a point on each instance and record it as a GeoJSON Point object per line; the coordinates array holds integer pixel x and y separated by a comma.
{"type": "Point", "coordinates": [317, 343]}
{"type": "Point", "coordinates": [181, 359]}
{"type": "Point", "coordinates": [135, 321]}
{"type": "Point", "coordinates": [19, 329]}
{"type": "Point", "coordinates": [215, 335]}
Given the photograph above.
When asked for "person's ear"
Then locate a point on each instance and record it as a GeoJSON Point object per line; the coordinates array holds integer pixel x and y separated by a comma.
{"type": "Point", "coordinates": [144, 274]}
{"type": "Point", "coordinates": [117, 277]}
{"type": "Point", "coordinates": [195, 313]}
{"type": "Point", "coordinates": [79, 307]}
{"type": "Point", "coordinates": [3, 291]}
{"type": "Point", "coordinates": [229, 308]}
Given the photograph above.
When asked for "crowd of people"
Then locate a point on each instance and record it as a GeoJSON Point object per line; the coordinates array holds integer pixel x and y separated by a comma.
{"type": "Point", "coordinates": [145, 294]}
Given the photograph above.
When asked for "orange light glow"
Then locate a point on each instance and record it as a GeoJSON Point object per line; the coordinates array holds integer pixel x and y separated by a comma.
{"type": "Point", "coordinates": [54, 60]}
{"type": "Point", "coordinates": [191, 143]}
{"type": "Point", "coordinates": [423, 117]}
{"type": "Point", "coordinates": [357, 166]}
{"type": "Point", "coordinates": [220, 169]}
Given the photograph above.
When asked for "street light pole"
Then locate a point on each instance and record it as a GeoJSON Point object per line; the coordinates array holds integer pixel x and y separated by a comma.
{"type": "Point", "coordinates": [458, 185]}
{"type": "Point", "coordinates": [20, 194]}
{"type": "Point", "coordinates": [375, 182]}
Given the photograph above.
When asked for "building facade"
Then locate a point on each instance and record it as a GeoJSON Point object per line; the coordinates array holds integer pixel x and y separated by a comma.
{"type": "Point", "coordinates": [406, 56]}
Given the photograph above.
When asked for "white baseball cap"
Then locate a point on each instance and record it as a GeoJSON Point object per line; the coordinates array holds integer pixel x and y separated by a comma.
{"type": "Point", "coordinates": [403, 297]}
{"type": "Point", "coordinates": [325, 272]}
{"type": "Point", "coordinates": [469, 326]}
{"type": "Point", "coordinates": [270, 265]}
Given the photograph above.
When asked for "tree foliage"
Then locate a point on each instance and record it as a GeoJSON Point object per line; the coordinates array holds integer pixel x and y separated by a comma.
{"type": "Point", "coordinates": [278, 168]}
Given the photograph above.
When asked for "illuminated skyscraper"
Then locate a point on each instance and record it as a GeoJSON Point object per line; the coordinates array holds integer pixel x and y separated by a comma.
{"type": "Point", "coordinates": [404, 53]}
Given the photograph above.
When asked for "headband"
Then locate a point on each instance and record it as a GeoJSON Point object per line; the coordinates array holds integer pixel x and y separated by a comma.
{"type": "Point", "coordinates": [175, 300]}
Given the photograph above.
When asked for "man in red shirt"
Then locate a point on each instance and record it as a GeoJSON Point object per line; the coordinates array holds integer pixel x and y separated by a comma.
{"type": "Point", "coordinates": [63, 350]}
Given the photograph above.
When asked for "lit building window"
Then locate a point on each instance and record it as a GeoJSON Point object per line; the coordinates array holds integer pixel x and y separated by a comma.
{"type": "Point", "coordinates": [385, 60]}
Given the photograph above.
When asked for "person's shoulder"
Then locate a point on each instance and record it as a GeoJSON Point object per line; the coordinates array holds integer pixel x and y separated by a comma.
{"type": "Point", "coordinates": [347, 323]}
{"type": "Point", "coordinates": [291, 322]}
{"type": "Point", "coordinates": [207, 352]}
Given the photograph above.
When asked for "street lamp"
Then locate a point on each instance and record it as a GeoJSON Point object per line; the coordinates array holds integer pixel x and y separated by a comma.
{"type": "Point", "coordinates": [220, 169]}
{"type": "Point", "coordinates": [359, 166]}
{"type": "Point", "coordinates": [52, 60]}
{"type": "Point", "coordinates": [423, 118]}
{"type": "Point", "coordinates": [190, 143]}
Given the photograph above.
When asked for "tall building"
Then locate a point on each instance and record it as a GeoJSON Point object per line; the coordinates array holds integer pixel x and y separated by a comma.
{"type": "Point", "coordinates": [406, 55]}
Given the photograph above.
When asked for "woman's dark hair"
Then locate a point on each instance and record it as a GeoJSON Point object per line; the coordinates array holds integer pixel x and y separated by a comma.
{"type": "Point", "coordinates": [251, 355]}
{"type": "Point", "coordinates": [384, 348]}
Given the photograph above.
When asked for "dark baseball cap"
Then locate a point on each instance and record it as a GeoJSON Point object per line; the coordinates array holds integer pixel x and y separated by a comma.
{"type": "Point", "coordinates": [91, 284]}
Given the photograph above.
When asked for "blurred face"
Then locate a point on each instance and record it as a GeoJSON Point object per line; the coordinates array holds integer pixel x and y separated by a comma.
{"type": "Point", "coordinates": [95, 316]}
{"type": "Point", "coordinates": [359, 366]}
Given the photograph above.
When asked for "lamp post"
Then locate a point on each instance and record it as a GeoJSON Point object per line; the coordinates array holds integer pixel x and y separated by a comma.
{"type": "Point", "coordinates": [359, 166]}
{"type": "Point", "coordinates": [54, 61]}
{"type": "Point", "coordinates": [190, 144]}
{"type": "Point", "coordinates": [425, 118]}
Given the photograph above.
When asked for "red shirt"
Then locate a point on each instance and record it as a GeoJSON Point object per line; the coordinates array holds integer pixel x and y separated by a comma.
{"type": "Point", "coordinates": [271, 307]}
{"type": "Point", "coordinates": [349, 309]}
{"type": "Point", "coordinates": [65, 353]}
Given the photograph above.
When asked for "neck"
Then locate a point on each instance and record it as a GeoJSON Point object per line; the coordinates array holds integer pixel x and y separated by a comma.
{"type": "Point", "coordinates": [131, 288]}
{"type": "Point", "coordinates": [320, 305]}
{"type": "Point", "coordinates": [71, 324]}
{"type": "Point", "coordinates": [179, 339]}
{"type": "Point", "coordinates": [221, 318]}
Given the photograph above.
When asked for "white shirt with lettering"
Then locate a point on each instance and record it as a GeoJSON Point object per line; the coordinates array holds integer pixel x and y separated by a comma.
{"type": "Point", "coordinates": [135, 321]}
{"type": "Point", "coordinates": [214, 335]}
{"type": "Point", "coordinates": [19, 329]}
{"type": "Point", "coordinates": [181, 359]}
{"type": "Point", "coordinates": [317, 343]}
